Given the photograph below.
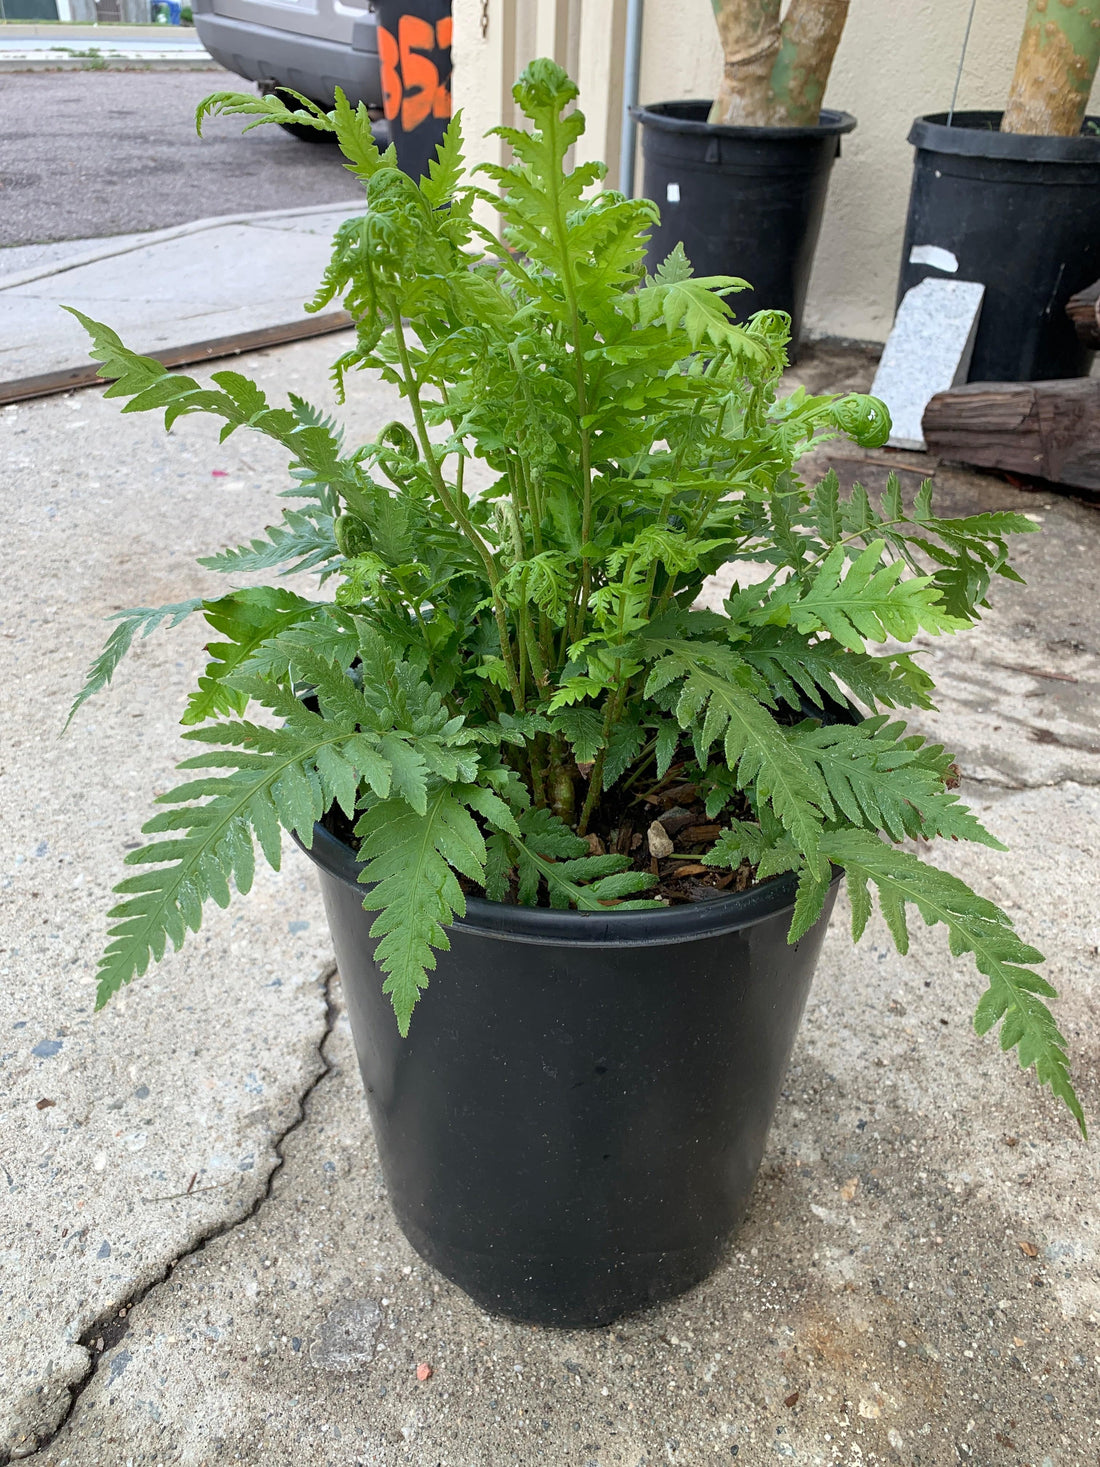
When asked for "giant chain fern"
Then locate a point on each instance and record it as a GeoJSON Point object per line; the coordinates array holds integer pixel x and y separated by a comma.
{"type": "Point", "coordinates": [493, 668]}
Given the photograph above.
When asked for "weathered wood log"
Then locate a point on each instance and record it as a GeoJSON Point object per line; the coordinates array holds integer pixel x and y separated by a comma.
{"type": "Point", "coordinates": [1083, 309]}
{"type": "Point", "coordinates": [1040, 430]}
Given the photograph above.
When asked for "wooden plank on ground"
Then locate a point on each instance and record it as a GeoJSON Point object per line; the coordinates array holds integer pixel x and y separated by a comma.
{"type": "Point", "coordinates": [49, 383]}
{"type": "Point", "coordinates": [1040, 430]}
{"type": "Point", "coordinates": [1083, 309]}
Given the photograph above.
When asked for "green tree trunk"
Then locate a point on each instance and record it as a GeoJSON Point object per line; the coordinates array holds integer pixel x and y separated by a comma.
{"type": "Point", "coordinates": [811, 34]}
{"type": "Point", "coordinates": [773, 74]}
{"type": "Point", "coordinates": [1055, 68]}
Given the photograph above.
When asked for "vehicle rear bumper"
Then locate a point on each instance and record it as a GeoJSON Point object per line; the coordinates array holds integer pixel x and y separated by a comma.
{"type": "Point", "coordinates": [308, 64]}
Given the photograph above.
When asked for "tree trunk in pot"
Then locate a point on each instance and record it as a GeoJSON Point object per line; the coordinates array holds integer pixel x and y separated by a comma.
{"type": "Point", "coordinates": [1055, 68]}
{"type": "Point", "coordinates": [775, 75]}
{"type": "Point", "coordinates": [811, 34]}
{"type": "Point", "coordinates": [751, 37]}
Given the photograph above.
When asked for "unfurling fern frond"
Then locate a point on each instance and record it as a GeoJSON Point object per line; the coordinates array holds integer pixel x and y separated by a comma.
{"type": "Point", "coordinates": [975, 925]}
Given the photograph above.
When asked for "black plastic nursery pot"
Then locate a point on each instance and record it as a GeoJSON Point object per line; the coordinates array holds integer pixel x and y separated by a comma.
{"type": "Point", "coordinates": [572, 1128]}
{"type": "Point", "coordinates": [744, 201]}
{"type": "Point", "coordinates": [1019, 214]}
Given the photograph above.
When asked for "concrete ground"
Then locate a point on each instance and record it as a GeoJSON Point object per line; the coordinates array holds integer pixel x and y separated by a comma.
{"type": "Point", "coordinates": [102, 153]}
{"type": "Point", "coordinates": [207, 280]}
{"type": "Point", "coordinates": [198, 1264]}
{"type": "Point", "coordinates": [46, 46]}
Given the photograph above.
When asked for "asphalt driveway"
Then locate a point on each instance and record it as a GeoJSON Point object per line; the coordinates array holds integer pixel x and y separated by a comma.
{"type": "Point", "coordinates": [92, 153]}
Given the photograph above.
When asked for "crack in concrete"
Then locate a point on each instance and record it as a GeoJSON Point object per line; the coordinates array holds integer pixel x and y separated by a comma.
{"type": "Point", "coordinates": [1042, 784]}
{"type": "Point", "coordinates": [113, 1324]}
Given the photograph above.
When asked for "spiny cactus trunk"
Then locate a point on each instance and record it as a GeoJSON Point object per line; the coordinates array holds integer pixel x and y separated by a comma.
{"type": "Point", "coordinates": [774, 75]}
{"type": "Point", "coordinates": [1055, 68]}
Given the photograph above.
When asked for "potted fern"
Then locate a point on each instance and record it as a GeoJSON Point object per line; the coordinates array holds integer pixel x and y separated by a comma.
{"type": "Point", "coordinates": [742, 181]}
{"type": "Point", "coordinates": [607, 825]}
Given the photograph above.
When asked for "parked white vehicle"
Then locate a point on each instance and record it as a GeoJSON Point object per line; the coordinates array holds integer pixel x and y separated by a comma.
{"type": "Point", "coordinates": [310, 46]}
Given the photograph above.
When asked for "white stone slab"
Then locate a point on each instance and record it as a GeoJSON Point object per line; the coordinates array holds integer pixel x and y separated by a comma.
{"type": "Point", "coordinates": [928, 351]}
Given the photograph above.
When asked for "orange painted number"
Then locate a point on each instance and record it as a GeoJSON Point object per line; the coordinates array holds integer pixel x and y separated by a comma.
{"type": "Point", "coordinates": [419, 74]}
{"type": "Point", "coordinates": [410, 79]}
{"type": "Point", "coordinates": [391, 81]}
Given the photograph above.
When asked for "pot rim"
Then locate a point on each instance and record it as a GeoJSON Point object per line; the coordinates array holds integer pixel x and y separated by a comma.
{"type": "Point", "coordinates": [974, 134]}
{"type": "Point", "coordinates": [658, 116]}
{"type": "Point", "coordinates": [547, 925]}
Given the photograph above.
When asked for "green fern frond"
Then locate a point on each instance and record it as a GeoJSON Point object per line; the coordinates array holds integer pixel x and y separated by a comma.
{"type": "Point", "coordinates": [263, 109]}
{"type": "Point", "coordinates": [582, 728]}
{"type": "Point", "coordinates": [883, 779]}
{"type": "Point", "coordinates": [130, 373]}
{"type": "Point", "coordinates": [355, 135]}
{"type": "Point", "coordinates": [974, 925]}
{"type": "Point", "coordinates": [695, 308]}
{"type": "Point", "coordinates": [623, 746]}
{"type": "Point", "coordinates": [826, 509]}
{"type": "Point", "coordinates": [769, 851]}
{"type": "Point", "coordinates": [715, 703]}
{"type": "Point", "coordinates": [446, 168]}
{"type": "Point", "coordinates": [549, 851]}
{"type": "Point", "coordinates": [302, 541]}
{"type": "Point", "coordinates": [797, 668]}
{"type": "Point", "coordinates": [809, 903]}
{"type": "Point", "coordinates": [331, 637]}
{"type": "Point", "coordinates": [285, 777]}
{"type": "Point", "coordinates": [315, 450]}
{"type": "Point", "coordinates": [247, 619]}
{"type": "Point", "coordinates": [871, 602]}
{"type": "Point", "coordinates": [410, 862]}
{"type": "Point", "coordinates": [143, 619]}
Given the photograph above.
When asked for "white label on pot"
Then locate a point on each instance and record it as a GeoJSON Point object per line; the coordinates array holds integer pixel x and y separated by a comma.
{"type": "Point", "coordinates": [934, 255]}
{"type": "Point", "coordinates": [672, 193]}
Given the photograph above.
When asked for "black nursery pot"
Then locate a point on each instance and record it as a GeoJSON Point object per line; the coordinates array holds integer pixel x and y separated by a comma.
{"type": "Point", "coordinates": [743, 201]}
{"type": "Point", "coordinates": [1021, 215]}
{"type": "Point", "coordinates": [573, 1126]}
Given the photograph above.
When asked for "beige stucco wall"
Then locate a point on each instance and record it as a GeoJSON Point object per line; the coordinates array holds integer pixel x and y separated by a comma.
{"type": "Point", "coordinates": [897, 59]}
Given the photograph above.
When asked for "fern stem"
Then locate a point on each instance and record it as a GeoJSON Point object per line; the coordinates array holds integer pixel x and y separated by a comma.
{"type": "Point", "coordinates": [612, 712]}
{"type": "Point", "coordinates": [457, 513]}
{"type": "Point", "coordinates": [569, 286]}
{"type": "Point", "coordinates": [871, 531]}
